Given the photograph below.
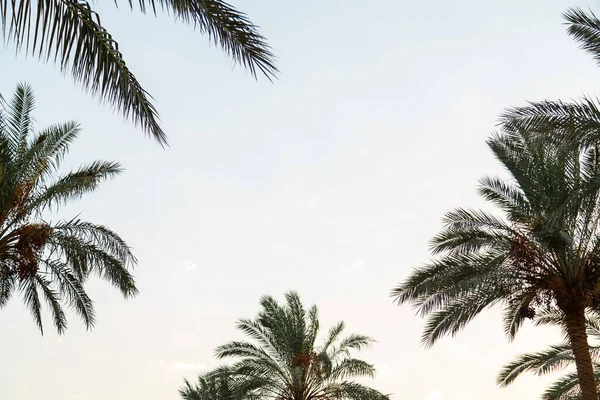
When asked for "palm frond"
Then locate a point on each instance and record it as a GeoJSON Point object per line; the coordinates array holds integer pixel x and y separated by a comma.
{"type": "Point", "coordinates": [19, 123]}
{"type": "Point", "coordinates": [584, 27]}
{"type": "Point", "coordinates": [352, 368]}
{"type": "Point", "coordinates": [32, 300]}
{"type": "Point", "coordinates": [540, 363]}
{"type": "Point", "coordinates": [70, 33]}
{"type": "Point", "coordinates": [75, 184]}
{"type": "Point", "coordinates": [53, 301]}
{"type": "Point", "coordinates": [227, 27]}
{"type": "Point", "coordinates": [576, 122]}
{"type": "Point", "coordinates": [457, 313]}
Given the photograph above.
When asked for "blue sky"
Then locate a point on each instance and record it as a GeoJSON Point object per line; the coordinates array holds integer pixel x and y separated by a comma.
{"type": "Point", "coordinates": [329, 181]}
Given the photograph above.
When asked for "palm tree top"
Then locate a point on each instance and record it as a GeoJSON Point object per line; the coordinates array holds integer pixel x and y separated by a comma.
{"type": "Point", "coordinates": [519, 257]}
{"type": "Point", "coordinates": [45, 260]}
{"type": "Point", "coordinates": [70, 33]}
{"type": "Point", "coordinates": [285, 360]}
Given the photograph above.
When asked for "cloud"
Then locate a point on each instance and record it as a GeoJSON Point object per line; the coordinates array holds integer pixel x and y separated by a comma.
{"type": "Point", "coordinates": [188, 265]}
{"type": "Point", "coordinates": [434, 395]}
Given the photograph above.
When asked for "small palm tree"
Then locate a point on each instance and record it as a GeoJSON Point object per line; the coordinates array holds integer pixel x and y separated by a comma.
{"type": "Point", "coordinates": [210, 386]}
{"type": "Point", "coordinates": [555, 358]}
{"type": "Point", "coordinates": [38, 258]}
{"type": "Point", "coordinates": [284, 362]}
{"type": "Point", "coordinates": [544, 250]}
{"type": "Point", "coordinates": [70, 33]}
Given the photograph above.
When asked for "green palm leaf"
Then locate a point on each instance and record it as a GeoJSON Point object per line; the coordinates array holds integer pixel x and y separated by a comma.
{"type": "Point", "coordinates": [70, 33]}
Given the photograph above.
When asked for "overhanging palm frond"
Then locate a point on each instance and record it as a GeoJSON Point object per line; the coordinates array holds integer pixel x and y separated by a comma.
{"type": "Point", "coordinates": [576, 123]}
{"type": "Point", "coordinates": [70, 33]}
{"type": "Point", "coordinates": [540, 363]}
{"type": "Point", "coordinates": [554, 358]}
{"type": "Point", "coordinates": [227, 27]}
{"type": "Point", "coordinates": [584, 27]}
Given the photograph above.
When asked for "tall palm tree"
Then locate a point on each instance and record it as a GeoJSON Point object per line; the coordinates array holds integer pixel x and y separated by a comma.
{"type": "Point", "coordinates": [283, 360]}
{"type": "Point", "coordinates": [70, 33]}
{"type": "Point", "coordinates": [543, 249]}
{"type": "Point", "coordinates": [51, 260]}
{"type": "Point", "coordinates": [554, 358]}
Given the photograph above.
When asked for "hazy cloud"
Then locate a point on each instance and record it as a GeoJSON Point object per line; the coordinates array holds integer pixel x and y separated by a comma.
{"type": "Point", "coordinates": [434, 395]}
{"type": "Point", "coordinates": [188, 265]}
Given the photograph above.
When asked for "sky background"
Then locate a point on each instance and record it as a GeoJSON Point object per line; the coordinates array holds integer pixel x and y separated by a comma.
{"type": "Point", "coordinates": [330, 181]}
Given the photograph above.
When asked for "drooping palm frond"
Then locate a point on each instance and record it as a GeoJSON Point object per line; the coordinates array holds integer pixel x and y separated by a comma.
{"type": "Point", "coordinates": [575, 123]}
{"type": "Point", "coordinates": [584, 27]}
{"type": "Point", "coordinates": [555, 358]}
{"type": "Point", "coordinates": [70, 33]}
{"type": "Point", "coordinates": [50, 262]}
{"type": "Point", "coordinates": [283, 360]}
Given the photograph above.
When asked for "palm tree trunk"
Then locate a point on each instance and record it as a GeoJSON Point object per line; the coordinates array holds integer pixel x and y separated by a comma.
{"type": "Point", "coordinates": [576, 330]}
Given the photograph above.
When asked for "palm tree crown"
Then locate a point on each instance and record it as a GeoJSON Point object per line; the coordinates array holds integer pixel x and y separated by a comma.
{"type": "Point", "coordinates": [209, 386]}
{"type": "Point", "coordinates": [283, 361]}
{"type": "Point", "coordinates": [41, 259]}
{"type": "Point", "coordinates": [543, 251]}
{"type": "Point", "coordinates": [70, 33]}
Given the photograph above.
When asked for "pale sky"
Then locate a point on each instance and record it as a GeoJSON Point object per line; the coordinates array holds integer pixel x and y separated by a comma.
{"type": "Point", "coordinates": [330, 181]}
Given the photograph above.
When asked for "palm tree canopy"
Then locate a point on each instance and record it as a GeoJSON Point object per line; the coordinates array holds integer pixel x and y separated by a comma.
{"type": "Point", "coordinates": [43, 259]}
{"type": "Point", "coordinates": [555, 358]}
{"type": "Point", "coordinates": [284, 360]}
{"type": "Point", "coordinates": [70, 33]}
{"type": "Point", "coordinates": [209, 386]}
{"type": "Point", "coordinates": [542, 250]}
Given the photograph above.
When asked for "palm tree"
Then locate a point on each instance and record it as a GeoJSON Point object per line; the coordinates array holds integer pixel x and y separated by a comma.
{"type": "Point", "coordinates": [554, 358]}
{"type": "Point", "coordinates": [70, 33]}
{"type": "Point", "coordinates": [543, 250]}
{"type": "Point", "coordinates": [43, 259]}
{"type": "Point", "coordinates": [210, 386]}
{"type": "Point", "coordinates": [283, 360]}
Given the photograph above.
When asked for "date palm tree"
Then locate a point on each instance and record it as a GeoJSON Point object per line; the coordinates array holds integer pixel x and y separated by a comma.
{"type": "Point", "coordinates": [542, 249]}
{"type": "Point", "coordinates": [40, 259]}
{"type": "Point", "coordinates": [70, 33]}
{"type": "Point", "coordinates": [283, 360]}
{"type": "Point", "coordinates": [555, 358]}
{"type": "Point", "coordinates": [209, 386]}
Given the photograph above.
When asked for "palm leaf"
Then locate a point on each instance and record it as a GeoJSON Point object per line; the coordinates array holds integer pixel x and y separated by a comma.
{"type": "Point", "coordinates": [70, 32]}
